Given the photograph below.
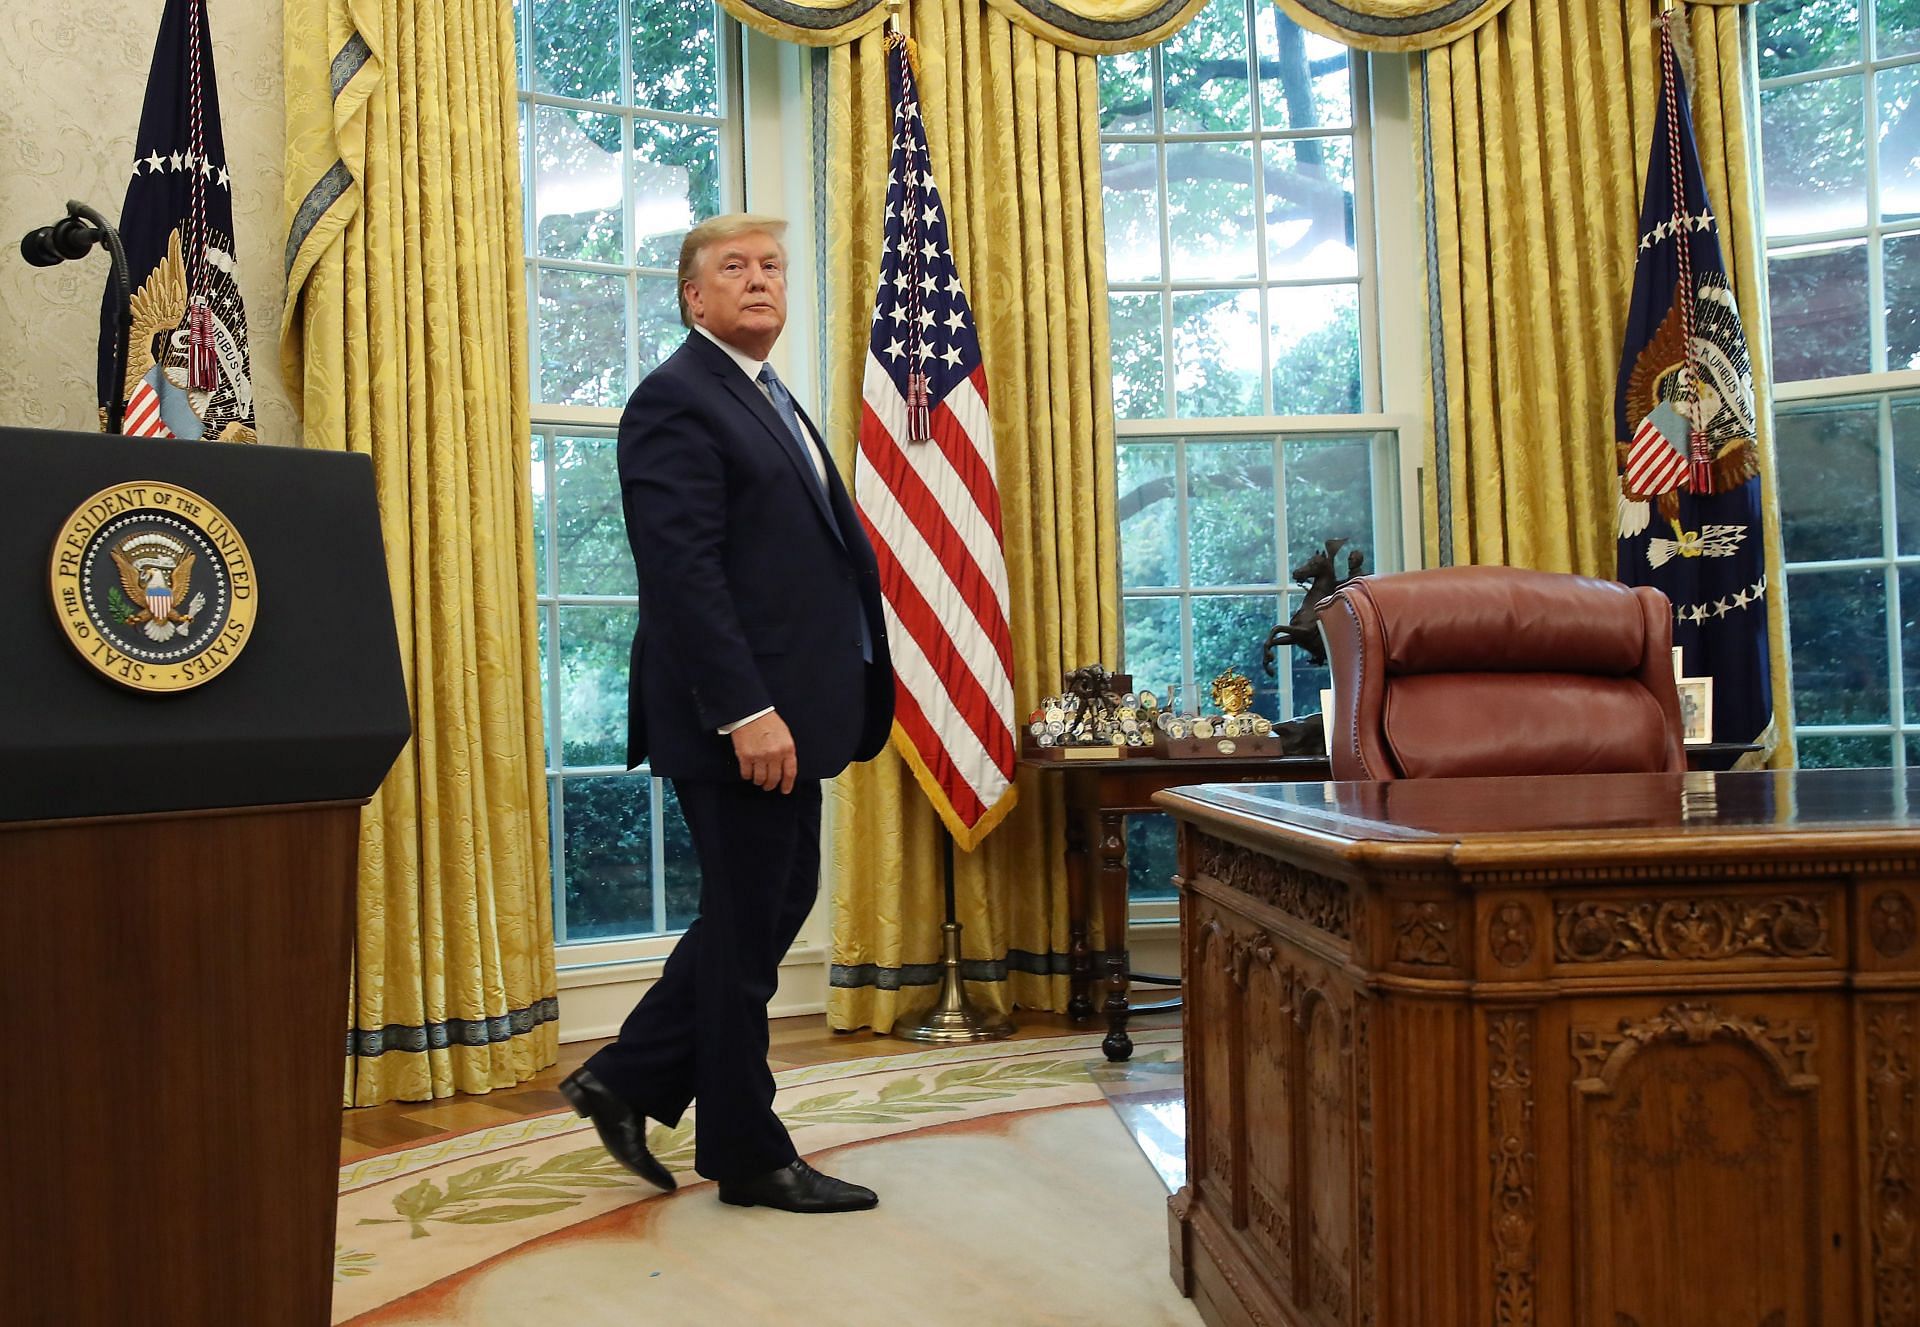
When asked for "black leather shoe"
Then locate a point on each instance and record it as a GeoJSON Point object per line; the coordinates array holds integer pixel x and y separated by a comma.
{"type": "Point", "coordinates": [623, 1131]}
{"type": "Point", "coordinates": [798, 1187]}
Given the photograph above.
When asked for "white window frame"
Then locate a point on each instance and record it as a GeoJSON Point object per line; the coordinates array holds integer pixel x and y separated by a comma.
{"type": "Point", "coordinates": [1394, 352]}
{"type": "Point", "coordinates": [1394, 499]}
{"type": "Point", "coordinates": [1860, 388]}
{"type": "Point", "coordinates": [767, 168]}
{"type": "Point", "coordinates": [1257, 136]}
{"type": "Point", "coordinates": [1883, 390]}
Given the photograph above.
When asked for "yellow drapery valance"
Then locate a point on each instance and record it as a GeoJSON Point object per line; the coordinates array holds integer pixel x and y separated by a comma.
{"type": "Point", "coordinates": [1090, 27]}
{"type": "Point", "coordinates": [1406, 25]}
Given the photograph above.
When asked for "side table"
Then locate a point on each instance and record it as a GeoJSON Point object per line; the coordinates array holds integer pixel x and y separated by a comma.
{"type": "Point", "coordinates": [1100, 795]}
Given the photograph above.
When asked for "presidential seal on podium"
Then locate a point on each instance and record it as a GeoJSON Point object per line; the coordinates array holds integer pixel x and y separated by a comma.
{"type": "Point", "coordinates": [153, 586]}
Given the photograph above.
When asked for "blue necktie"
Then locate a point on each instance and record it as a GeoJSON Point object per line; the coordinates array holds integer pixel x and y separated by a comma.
{"type": "Point", "coordinates": [777, 393]}
{"type": "Point", "coordinates": [783, 402]}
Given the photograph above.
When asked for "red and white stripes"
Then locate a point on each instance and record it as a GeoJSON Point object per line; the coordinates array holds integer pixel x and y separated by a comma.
{"type": "Point", "coordinates": [932, 512]}
{"type": "Point", "coordinates": [142, 419]}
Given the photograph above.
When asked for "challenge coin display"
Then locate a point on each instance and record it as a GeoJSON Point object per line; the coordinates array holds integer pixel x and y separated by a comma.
{"type": "Point", "coordinates": [153, 586]}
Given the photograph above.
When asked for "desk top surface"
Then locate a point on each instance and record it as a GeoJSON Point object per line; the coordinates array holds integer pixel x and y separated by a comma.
{"type": "Point", "coordinates": [1854, 808]}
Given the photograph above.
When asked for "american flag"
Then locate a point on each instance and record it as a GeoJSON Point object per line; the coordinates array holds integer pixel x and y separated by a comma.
{"type": "Point", "coordinates": [924, 485]}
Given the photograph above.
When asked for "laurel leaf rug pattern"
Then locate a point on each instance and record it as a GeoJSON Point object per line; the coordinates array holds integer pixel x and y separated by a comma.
{"type": "Point", "coordinates": [1009, 1194]}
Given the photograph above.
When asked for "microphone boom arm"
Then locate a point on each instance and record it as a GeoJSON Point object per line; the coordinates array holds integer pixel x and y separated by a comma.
{"type": "Point", "coordinates": [54, 244]}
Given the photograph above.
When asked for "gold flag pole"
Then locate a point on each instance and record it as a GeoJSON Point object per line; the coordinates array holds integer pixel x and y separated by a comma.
{"type": "Point", "coordinates": [952, 1019]}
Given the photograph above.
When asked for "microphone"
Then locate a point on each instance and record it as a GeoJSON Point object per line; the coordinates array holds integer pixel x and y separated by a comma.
{"type": "Point", "coordinates": [69, 237]}
{"type": "Point", "coordinates": [73, 236]}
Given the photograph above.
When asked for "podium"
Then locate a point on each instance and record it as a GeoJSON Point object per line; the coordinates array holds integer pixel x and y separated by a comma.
{"type": "Point", "coordinates": [177, 872]}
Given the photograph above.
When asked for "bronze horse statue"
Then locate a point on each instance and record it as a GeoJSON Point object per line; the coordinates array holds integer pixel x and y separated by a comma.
{"type": "Point", "coordinates": [1321, 580]}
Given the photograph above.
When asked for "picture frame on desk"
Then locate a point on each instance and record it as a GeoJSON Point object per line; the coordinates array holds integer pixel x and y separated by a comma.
{"type": "Point", "coordinates": [1696, 710]}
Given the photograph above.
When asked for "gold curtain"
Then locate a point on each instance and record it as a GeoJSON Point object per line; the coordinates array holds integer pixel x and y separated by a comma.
{"type": "Point", "coordinates": [1532, 136]}
{"type": "Point", "coordinates": [405, 338]}
{"type": "Point", "coordinates": [1091, 27]}
{"type": "Point", "coordinates": [1013, 130]}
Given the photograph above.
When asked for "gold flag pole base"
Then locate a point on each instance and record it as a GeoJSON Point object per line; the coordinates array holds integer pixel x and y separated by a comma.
{"type": "Point", "coordinates": [952, 1019]}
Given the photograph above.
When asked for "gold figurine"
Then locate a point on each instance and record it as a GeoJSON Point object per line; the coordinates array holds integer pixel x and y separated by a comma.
{"type": "Point", "coordinates": [1232, 693]}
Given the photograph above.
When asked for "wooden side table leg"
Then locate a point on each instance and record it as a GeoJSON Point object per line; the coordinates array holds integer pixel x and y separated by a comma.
{"type": "Point", "coordinates": [1113, 919]}
{"type": "Point", "coordinates": [1080, 954]}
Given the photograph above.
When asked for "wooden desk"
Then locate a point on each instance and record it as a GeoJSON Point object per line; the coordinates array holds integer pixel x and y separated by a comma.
{"type": "Point", "coordinates": [1100, 795]}
{"type": "Point", "coordinates": [1607, 1050]}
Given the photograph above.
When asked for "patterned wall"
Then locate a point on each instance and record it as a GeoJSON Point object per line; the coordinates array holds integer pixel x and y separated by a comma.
{"type": "Point", "coordinates": [74, 77]}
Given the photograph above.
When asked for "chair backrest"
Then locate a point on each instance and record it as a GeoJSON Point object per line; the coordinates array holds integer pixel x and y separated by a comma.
{"type": "Point", "coordinates": [1463, 671]}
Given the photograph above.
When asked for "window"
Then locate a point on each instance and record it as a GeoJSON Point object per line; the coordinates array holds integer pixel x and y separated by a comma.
{"type": "Point", "coordinates": [1229, 169]}
{"type": "Point", "coordinates": [628, 140]}
{"type": "Point", "coordinates": [1840, 160]}
{"type": "Point", "coordinates": [1211, 526]}
{"type": "Point", "coordinates": [1241, 286]}
{"type": "Point", "coordinates": [1849, 474]}
{"type": "Point", "coordinates": [630, 134]}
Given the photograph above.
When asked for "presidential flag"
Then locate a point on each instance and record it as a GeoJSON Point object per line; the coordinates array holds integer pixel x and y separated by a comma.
{"type": "Point", "coordinates": [924, 485]}
{"type": "Point", "coordinates": [1684, 430]}
{"type": "Point", "coordinates": [188, 374]}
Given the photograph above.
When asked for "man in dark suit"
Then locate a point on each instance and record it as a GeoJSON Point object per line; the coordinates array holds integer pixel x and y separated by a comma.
{"type": "Point", "coordinates": [760, 668]}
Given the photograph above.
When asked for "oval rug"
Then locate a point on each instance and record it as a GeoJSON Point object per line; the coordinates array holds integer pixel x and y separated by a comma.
{"type": "Point", "coordinates": [1010, 1193]}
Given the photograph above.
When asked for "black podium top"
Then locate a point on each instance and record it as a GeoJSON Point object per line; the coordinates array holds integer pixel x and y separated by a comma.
{"type": "Point", "coordinates": [312, 709]}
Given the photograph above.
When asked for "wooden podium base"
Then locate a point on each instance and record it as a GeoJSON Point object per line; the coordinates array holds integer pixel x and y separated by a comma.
{"type": "Point", "coordinates": [173, 990]}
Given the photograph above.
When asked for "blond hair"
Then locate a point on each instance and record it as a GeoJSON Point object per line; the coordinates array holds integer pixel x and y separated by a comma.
{"type": "Point", "coordinates": [712, 231]}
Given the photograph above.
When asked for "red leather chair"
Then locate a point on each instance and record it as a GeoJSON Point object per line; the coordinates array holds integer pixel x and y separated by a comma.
{"type": "Point", "coordinates": [1464, 671]}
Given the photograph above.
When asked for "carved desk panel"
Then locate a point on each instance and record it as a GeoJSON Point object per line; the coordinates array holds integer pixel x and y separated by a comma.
{"type": "Point", "coordinates": [1600, 1051]}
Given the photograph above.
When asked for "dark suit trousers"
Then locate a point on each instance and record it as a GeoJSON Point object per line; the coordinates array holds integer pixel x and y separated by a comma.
{"type": "Point", "coordinates": [701, 1032]}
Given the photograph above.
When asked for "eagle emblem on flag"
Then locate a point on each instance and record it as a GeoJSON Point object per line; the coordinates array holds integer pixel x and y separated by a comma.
{"type": "Point", "coordinates": [1680, 389]}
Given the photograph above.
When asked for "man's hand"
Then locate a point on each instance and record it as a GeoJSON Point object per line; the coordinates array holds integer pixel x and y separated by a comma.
{"type": "Point", "coordinates": [765, 751]}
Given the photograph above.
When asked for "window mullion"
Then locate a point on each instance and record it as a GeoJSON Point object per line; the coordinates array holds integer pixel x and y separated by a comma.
{"type": "Point", "coordinates": [1258, 152]}
{"type": "Point", "coordinates": [557, 828]}
{"type": "Point", "coordinates": [550, 608]}
{"type": "Point", "coordinates": [657, 872]}
{"type": "Point", "coordinates": [1876, 276]}
{"type": "Point", "coordinates": [1185, 568]}
{"type": "Point", "coordinates": [1365, 239]}
{"type": "Point", "coordinates": [556, 782]}
{"type": "Point", "coordinates": [1282, 540]}
{"type": "Point", "coordinates": [1890, 579]}
{"type": "Point", "coordinates": [1172, 404]}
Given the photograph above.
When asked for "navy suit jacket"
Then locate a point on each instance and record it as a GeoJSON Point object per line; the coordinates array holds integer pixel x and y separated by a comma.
{"type": "Point", "coordinates": [752, 581]}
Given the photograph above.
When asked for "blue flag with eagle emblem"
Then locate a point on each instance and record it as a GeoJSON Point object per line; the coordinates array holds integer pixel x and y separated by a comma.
{"type": "Point", "coordinates": [1685, 439]}
{"type": "Point", "coordinates": [188, 370]}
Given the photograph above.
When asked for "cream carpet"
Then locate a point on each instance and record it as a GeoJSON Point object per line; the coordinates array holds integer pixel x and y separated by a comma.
{"type": "Point", "coordinates": [1010, 1194]}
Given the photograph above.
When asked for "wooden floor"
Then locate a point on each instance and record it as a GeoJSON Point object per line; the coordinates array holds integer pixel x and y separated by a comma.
{"type": "Point", "coordinates": [794, 1042]}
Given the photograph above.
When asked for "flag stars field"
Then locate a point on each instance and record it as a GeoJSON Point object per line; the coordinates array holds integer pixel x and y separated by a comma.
{"type": "Point", "coordinates": [154, 163]}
